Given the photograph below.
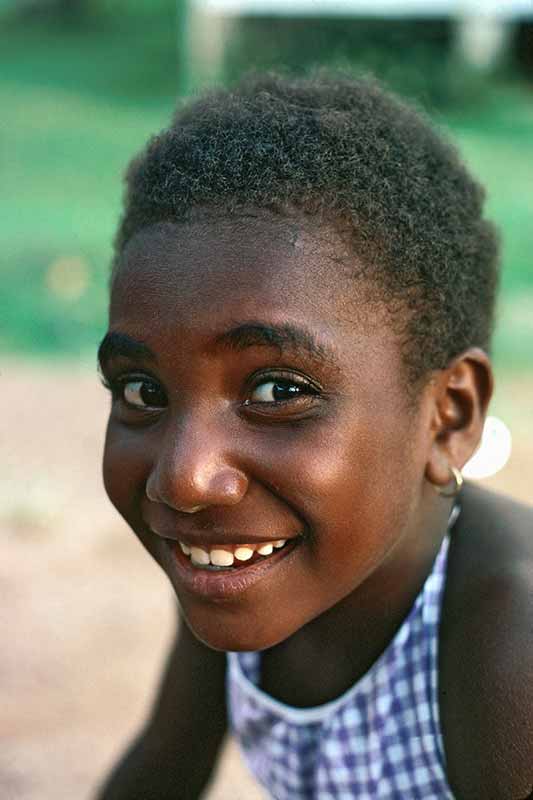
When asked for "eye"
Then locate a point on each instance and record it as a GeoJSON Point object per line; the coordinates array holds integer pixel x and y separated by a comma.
{"type": "Point", "coordinates": [142, 393]}
{"type": "Point", "coordinates": [280, 390]}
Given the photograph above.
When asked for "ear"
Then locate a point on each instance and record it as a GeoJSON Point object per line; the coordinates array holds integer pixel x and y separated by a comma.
{"type": "Point", "coordinates": [460, 398]}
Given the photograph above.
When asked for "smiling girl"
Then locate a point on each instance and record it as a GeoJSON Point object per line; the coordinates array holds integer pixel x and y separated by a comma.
{"type": "Point", "coordinates": [301, 311]}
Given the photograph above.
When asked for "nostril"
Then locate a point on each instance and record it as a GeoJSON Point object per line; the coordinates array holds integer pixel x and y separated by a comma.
{"type": "Point", "coordinates": [150, 494]}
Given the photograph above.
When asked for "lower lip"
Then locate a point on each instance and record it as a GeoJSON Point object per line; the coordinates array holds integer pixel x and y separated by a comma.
{"type": "Point", "coordinates": [226, 584]}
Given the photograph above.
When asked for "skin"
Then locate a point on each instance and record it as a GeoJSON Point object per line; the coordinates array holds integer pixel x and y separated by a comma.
{"type": "Point", "coordinates": [354, 464]}
{"type": "Point", "coordinates": [486, 650]}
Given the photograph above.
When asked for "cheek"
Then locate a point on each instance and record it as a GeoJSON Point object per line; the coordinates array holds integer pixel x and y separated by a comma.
{"type": "Point", "coordinates": [359, 486]}
{"type": "Point", "coordinates": [125, 470]}
{"type": "Point", "coordinates": [354, 467]}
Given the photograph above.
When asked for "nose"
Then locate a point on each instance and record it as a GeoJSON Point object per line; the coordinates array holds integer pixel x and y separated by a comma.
{"type": "Point", "coordinates": [193, 470]}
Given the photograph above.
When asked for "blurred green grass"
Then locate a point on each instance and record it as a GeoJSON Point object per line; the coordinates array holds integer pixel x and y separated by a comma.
{"type": "Point", "coordinates": [78, 103]}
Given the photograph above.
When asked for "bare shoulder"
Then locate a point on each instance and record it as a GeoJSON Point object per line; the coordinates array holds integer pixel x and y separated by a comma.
{"type": "Point", "coordinates": [486, 649]}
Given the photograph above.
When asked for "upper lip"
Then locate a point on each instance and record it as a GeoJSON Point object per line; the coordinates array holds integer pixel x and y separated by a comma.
{"type": "Point", "coordinates": [211, 538]}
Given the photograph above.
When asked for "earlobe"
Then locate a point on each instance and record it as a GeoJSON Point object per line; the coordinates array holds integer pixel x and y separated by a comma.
{"type": "Point", "coordinates": [461, 395]}
{"type": "Point", "coordinates": [439, 471]}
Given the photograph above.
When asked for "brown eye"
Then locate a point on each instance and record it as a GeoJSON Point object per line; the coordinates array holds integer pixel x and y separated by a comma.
{"type": "Point", "coordinates": [279, 390]}
{"type": "Point", "coordinates": [143, 394]}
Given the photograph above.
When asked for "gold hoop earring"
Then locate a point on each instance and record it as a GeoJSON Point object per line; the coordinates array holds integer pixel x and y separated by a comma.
{"type": "Point", "coordinates": [456, 488]}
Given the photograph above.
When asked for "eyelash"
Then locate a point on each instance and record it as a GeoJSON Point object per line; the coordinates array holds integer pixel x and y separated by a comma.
{"type": "Point", "coordinates": [116, 387]}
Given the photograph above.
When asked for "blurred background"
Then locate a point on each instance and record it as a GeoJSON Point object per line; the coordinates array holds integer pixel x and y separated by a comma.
{"type": "Point", "coordinates": [85, 617]}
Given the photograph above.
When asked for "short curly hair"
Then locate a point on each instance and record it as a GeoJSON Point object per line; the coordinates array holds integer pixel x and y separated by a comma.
{"type": "Point", "coordinates": [345, 150]}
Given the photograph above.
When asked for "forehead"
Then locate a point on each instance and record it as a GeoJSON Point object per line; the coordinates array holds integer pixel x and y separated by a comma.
{"type": "Point", "coordinates": [269, 264]}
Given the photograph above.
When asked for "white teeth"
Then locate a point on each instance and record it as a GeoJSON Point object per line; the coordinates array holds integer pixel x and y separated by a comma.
{"type": "Point", "coordinates": [199, 556]}
{"type": "Point", "coordinates": [243, 553]}
{"type": "Point", "coordinates": [221, 558]}
{"type": "Point", "coordinates": [226, 558]}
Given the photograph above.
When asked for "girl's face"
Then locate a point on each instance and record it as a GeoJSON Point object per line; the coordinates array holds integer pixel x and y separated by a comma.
{"type": "Point", "coordinates": [258, 399]}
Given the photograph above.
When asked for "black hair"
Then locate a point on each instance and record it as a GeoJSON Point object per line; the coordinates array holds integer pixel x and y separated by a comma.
{"type": "Point", "coordinates": [344, 150]}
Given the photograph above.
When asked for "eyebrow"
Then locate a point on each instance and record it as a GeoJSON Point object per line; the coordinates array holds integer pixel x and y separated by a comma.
{"type": "Point", "coordinates": [115, 344]}
{"type": "Point", "coordinates": [250, 334]}
{"type": "Point", "coordinates": [284, 337]}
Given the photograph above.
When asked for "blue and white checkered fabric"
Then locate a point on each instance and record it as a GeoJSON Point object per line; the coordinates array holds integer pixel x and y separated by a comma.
{"type": "Point", "coordinates": [380, 740]}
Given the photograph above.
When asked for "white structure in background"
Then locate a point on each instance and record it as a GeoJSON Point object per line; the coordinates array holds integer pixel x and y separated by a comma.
{"type": "Point", "coordinates": [368, 8]}
{"type": "Point", "coordinates": [483, 28]}
{"type": "Point", "coordinates": [482, 25]}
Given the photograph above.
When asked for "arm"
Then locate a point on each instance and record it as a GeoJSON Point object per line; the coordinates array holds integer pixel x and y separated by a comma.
{"type": "Point", "coordinates": [175, 753]}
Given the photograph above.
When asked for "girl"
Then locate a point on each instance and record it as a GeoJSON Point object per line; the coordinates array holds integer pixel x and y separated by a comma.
{"type": "Point", "coordinates": [301, 310]}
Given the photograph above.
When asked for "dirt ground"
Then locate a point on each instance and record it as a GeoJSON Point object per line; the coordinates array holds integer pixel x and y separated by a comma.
{"type": "Point", "coordinates": [85, 616]}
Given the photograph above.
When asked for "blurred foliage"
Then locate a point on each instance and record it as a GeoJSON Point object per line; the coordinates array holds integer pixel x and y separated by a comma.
{"type": "Point", "coordinates": [127, 56]}
{"type": "Point", "coordinates": [79, 99]}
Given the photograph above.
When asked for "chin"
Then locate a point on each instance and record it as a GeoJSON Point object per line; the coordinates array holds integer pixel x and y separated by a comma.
{"type": "Point", "coordinates": [232, 631]}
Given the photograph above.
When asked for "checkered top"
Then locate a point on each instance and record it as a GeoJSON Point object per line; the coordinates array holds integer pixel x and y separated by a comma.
{"type": "Point", "coordinates": [380, 740]}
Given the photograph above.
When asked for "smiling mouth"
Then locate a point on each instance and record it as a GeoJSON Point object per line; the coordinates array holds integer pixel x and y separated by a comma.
{"type": "Point", "coordinates": [228, 558]}
{"type": "Point", "coordinates": [228, 582]}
